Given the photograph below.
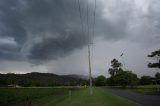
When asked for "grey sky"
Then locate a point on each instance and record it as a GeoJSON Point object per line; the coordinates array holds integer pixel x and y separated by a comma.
{"type": "Point", "coordinates": [46, 35]}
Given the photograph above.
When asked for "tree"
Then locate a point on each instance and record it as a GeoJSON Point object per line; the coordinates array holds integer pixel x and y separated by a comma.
{"type": "Point", "coordinates": [126, 78]}
{"type": "Point", "coordinates": [155, 54]}
{"type": "Point", "coordinates": [146, 80]}
{"type": "Point", "coordinates": [157, 75]}
{"type": "Point", "coordinates": [116, 67]}
{"type": "Point", "coordinates": [120, 77]}
{"type": "Point", "coordinates": [100, 80]}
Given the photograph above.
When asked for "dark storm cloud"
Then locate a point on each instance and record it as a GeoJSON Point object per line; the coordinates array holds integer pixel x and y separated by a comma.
{"type": "Point", "coordinates": [12, 56]}
{"type": "Point", "coordinates": [43, 30]}
{"type": "Point", "coordinates": [55, 27]}
{"type": "Point", "coordinates": [49, 29]}
{"type": "Point", "coordinates": [10, 20]}
{"type": "Point", "coordinates": [56, 47]}
{"type": "Point", "coordinates": [12, 33]}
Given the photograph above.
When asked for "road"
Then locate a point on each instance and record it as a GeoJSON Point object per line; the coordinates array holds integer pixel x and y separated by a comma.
{"type": "Point", "coordinates": [142, 99]}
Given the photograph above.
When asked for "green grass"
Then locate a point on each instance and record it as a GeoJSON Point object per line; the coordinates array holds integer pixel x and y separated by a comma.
{"type": "Point", "coordinates": [60, 97]}
{"type": "Point", "coordinates": [21, 96]}
{"type": "Point", "coordinates": [148, 86]}
{"type": "Point", "coordinates": [144, 89]}
{"type": "Point", "coordinates": [148, 89]}
{"type": "Point", "coordinates": [99, 98]}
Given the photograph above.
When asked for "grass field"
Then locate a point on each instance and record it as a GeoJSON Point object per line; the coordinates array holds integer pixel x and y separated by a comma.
{"type": "Point", "coordinates": [144, 89]}
{"type": "Point", "coordinates": [99, 98]}
{"type": "Point", "coordinates": [34, 96]}
{"type": "Point", "coordinates": [148, 89]}
{"type": "Point", "coordinates": [60, 97]}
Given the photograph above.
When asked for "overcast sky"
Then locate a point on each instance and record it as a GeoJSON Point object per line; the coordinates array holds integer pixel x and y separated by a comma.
{"type": "Point", "coordinates": [47, 35]}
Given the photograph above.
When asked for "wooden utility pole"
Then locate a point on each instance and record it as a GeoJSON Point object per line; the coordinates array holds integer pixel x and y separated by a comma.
{"type": "Point", "coordinates": [90, 74]}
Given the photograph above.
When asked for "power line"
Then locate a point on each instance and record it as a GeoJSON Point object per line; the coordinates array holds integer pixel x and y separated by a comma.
{"type": "Point", "coordinates": [89, 38]}
{"type": "Point", "coordinates": [93, 33]}
{"type": "Point", "coordinates": [79, 8]}
{"type": "Point", "coordinates": [94, 20]}
{"type": "Point", "coordinates": [89, 54]}
{"type": "Point", "coordinates": [88, 24]}
{"type": "Point", "coordinates": [92, 37]}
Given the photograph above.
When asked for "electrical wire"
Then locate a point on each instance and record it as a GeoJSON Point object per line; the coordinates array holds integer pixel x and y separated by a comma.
{"type": "Point", "coordinates": [80, 13]}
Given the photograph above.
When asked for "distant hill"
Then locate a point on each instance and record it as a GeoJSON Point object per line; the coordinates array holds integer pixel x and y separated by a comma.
{"type": "Point", "coordinates": [77, 76]}
{"type": "Point", "coordinates": [41, 79]}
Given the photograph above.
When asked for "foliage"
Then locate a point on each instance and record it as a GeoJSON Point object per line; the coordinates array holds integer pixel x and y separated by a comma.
{"type": "Point", "coordinates": [39, 79]}
{"type": "Point", "coordinates": [155, 54]}
{"type": "Point", "coordinates": [120, 77]}
{"type": "Point", "coordinates": [147, 89]}
{"type": "Point", "coordinates": [126, 78]}
{"type": "Point", "coordinates": [146, 80]}
{"type": "Point", "coordinates": [116, 67]}
{"type": "Point", "coordinates": [154, 65]}
{"type": "Point", "coordinates": [157, 75]}
{"type": "Point", "coordinates": [100, 80]}
{"type": "Point", "coordinates": [111, 81]}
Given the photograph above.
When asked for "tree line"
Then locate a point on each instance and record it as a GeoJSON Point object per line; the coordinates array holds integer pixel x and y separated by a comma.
{"type": "Point", "coordinates": [124, 78]}
{"type": "Point", "coordinates": [39, 79]}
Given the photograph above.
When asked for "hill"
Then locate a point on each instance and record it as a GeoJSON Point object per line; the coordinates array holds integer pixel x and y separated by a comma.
{"type": "Point", "coordinates": [77, 76]}
{"type": "Point", "coordinates": [40, 79]}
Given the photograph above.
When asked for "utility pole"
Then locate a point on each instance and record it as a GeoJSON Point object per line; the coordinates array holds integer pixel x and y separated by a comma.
{"type": "Point", "coordinates": [90, 74]}
{"type": "Point", "coordinates": [89, 53]}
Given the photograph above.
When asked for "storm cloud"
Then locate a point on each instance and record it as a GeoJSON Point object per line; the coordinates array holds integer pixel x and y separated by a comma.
{"type": "Point", "coordinates": [49, 29]}
{"type": "Point", "coordinates": [42, 30]}
{"type": "Point", "coordinates": [39, 31]}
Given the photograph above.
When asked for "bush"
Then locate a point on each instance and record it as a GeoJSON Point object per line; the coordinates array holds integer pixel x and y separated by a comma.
{"type": "Point", "coordinates": [146, 80]}
{"type": "Point", "coordinates": [126, 78]}
{"type": "Point", "coordinates": [100, 81]}
{"type": "Point", "coordinates": [123, 79]}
